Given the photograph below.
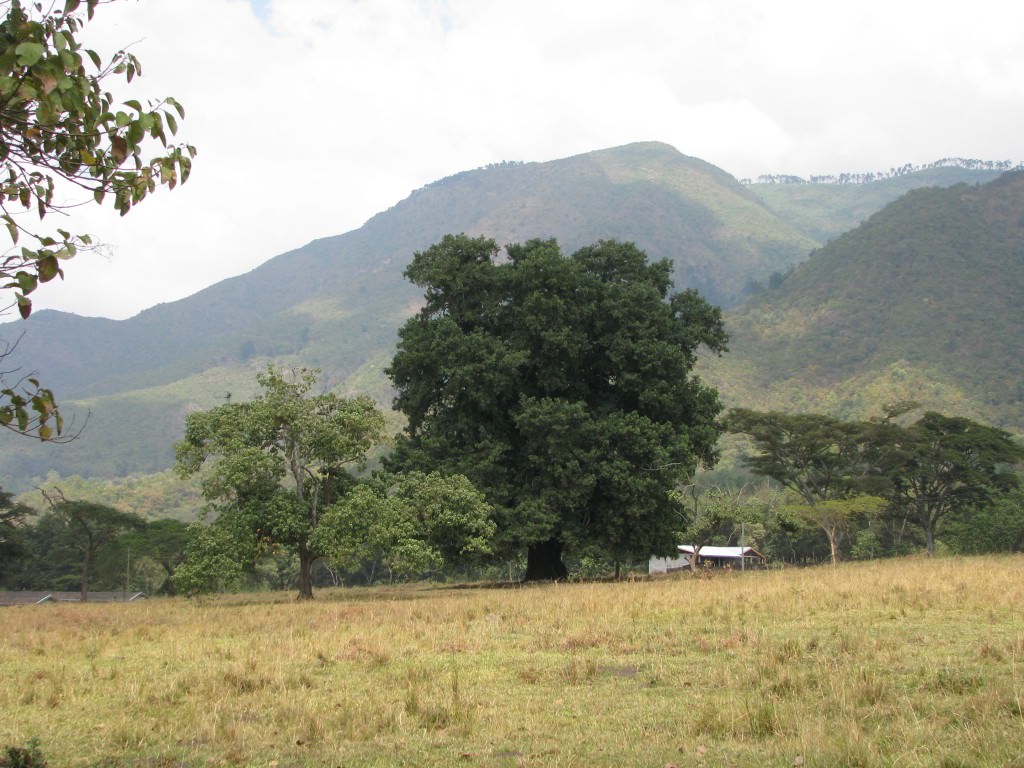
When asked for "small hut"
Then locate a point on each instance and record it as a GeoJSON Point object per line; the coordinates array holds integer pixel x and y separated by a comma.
{"type": "Point", "coordinates": [738, 558]}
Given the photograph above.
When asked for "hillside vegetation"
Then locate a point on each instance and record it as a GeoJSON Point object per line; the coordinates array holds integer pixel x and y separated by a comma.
{"type": "Point", "coordinates": [823, 210]}
{"type": "Point", "coordinates": [923, 301]}
{"type": "Point", "coordinates": [336, 303]}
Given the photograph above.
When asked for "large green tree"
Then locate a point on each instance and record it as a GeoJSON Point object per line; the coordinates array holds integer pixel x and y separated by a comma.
{"type": "Point", "coordinates": [562, 387]}
{"type": "Point", "coordinates": [65, 140]}
{"type": "Point", "coordinates": [272, 465]}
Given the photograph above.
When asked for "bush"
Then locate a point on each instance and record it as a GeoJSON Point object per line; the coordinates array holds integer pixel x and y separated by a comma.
{"type": "Point", "coordinates": [23, 757]}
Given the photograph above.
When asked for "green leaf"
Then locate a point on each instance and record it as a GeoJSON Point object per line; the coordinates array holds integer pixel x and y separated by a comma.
{"type": "Point", "coordinates": [48, 268]}
{"type": "Point", "coordinates": [12, 228]}
{"type": "Point", "coordinates": [27, 282]}
{"type": "Point", "coordinates": [29, 53]}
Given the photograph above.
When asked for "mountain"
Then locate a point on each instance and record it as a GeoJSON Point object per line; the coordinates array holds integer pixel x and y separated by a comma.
{"type": "Point", "coordinates": [825, 207]}
{"type": "Point", "coordinates": [336, 303]}
{"type": "Point", "coordinates": [923, 301]}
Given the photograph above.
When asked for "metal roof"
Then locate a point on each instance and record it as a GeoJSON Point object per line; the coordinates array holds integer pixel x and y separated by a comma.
{"type": "Point", "coordinates": [720, 552]}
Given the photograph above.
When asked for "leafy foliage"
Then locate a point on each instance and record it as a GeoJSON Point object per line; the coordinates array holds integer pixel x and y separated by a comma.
{"type": "Point", "coordinates": [408, 524]}
{"type": "Point", "coordinates": [941, 465]}
{"type": "Point", "coordinates": [273, 464]}
{"type": "Point", "coordinates": [561, 387]}
{"type": "Point", "coordinates": [928, 471]}
{"type": "Point", "coordinates": [920, 302]}
{"type": "Point", "coordinates": [61, 135]}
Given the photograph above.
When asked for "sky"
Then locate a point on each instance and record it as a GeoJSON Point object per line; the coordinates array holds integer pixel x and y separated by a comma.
{"type": "Point", "coordinates": [311, 116]}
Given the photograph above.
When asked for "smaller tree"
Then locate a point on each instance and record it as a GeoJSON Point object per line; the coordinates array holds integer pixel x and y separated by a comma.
{"type": "Point", "coordinates": [271, 466]}
{"type": "Point", "coordinates": [940, 465]}
{"type": "Point", "coordinates": [835, 517]}
{"type": "Point", "coordinates": [90, 527]}
{"type": "Point", "coordinates": [212, 561]}
{"type": "Point", "coordinates": [408, 523]}
{"type": "Point", "coordinates": [164, 541]}
{"type": "Point", "coordinates": [827, 463]}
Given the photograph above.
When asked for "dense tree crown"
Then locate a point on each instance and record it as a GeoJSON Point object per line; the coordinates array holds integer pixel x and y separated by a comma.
{"type": "Point", "coordinates": [563, 387]}
{"type": "Point", "coordinates": [64, 140]}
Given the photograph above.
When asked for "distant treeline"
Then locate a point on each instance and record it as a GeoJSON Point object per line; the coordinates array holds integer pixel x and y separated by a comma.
{"type": "Point", "coordinates": [903, 170]}
{"type": "Point", "coordinates": [467, 174]}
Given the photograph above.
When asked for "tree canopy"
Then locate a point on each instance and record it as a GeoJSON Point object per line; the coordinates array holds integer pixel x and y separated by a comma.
{"type": "Point", "coordinates": [408, 524]}
{"type": "Point", "coordinates": [273, 464]}
{"type": "Point", "coordinates": [941, 465]}
{"type": "Point", "coordinates": [562, 387]}
{"type": "Point", "coordinates": [65, 140]}
{"type": "Point", "coordinates": [935, 467]}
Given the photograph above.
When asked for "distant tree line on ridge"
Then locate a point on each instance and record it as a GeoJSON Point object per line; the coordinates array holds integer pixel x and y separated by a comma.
{"type": "Point", "coordinates": [892, 173]}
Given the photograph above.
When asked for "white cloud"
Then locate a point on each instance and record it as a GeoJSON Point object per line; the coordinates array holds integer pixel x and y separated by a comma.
{"type": "Point", "coordinates": [312, 115]}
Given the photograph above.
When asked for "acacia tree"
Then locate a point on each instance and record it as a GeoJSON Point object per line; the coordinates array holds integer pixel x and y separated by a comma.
{"type": "Point", "coordinates": [827, 463]}
{"type": "Point", "coordinates": [90, 527]}
{"type": "Point", "coordinates": [941, 465]}
{"type": "Point", "coordinates": [271, 466]}
{"type": "Point", "coordinates": [835, 516]}
{"type": "Point", "coordinates": [562, 387]}
{"type": "Point", "coordinates": [64, 140]}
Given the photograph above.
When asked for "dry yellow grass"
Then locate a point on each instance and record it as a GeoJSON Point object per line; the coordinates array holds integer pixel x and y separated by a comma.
{"type": "Point", "coordinates": [909, 663]}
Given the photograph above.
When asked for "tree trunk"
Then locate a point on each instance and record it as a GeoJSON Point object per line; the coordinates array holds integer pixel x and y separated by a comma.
{"type": "Point", "coordinates": [929, 538]}
{"type": "Point", "coordinates": [86, 564]}
{"type": "Point", "coordinates": [544, 561]}
{"type": "Point", "coordinates": [833, 545]}
{"type": "Point", "coordinates": [306, 560]}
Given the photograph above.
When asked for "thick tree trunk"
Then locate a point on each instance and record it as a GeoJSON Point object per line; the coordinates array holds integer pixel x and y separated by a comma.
{"type": "Point", "coordinates": [544, 561]}
{"type": "Point", "coordinates": [306, 560]}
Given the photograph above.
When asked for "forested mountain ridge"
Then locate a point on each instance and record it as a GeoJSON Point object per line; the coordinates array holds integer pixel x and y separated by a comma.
{"type": "Point", "coordinates": [923, 301]}
{"type": "Point", "coordinates": [825, 207]}
{"type": "Point", "coordinates": [336, 303]}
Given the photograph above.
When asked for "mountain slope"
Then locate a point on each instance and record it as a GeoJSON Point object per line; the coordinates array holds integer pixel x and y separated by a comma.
{"type": "Point", "coordinates": [337, 302]}
{"type": "Point", "coordinates": [824, 210]}
{"type": "Point", "coordinates": [923, 301]}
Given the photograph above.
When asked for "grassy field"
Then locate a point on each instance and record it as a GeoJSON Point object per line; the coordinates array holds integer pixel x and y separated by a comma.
{"type": "Point", "coordinates": [903, 663]}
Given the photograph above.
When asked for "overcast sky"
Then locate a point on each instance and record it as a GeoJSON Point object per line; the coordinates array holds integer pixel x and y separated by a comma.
{"type": "Point", "coordinates": [310, 116]}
